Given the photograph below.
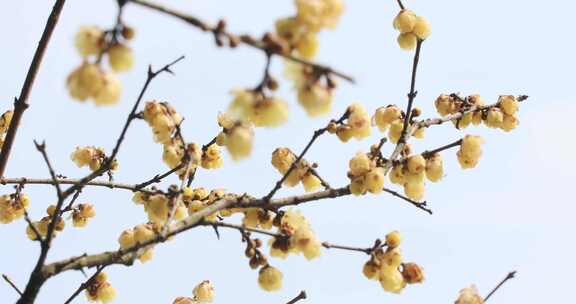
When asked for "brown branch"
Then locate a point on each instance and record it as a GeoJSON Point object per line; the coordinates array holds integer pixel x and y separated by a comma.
{"type": "Point", "coordinates": [300, 296]}
{"type": "Point", "coordinates": [245, 39]}
{"type": "Point", "coordinates": [419, 205]}
{"type": "Point", "coordinates": [400, 4]}
{"type": "Point", "coordinates": [429, 153]}
{"type": "Point", "coordinates": [42, 149]}
{"type": "Point", "coordinates": [347, 248]}
{"type": "Point", "coordinates": [159, 177]}
{"type": "Point", "coordinates": [84, 285]}
{"type": "Point", "coordinates": [317, 134]}
{"type": "Point", "coordinates": [63, 181]}
{"type": "Point", "coordinates": [509, 276]}
{"type": "Point", "coordinates": [7, 279]}
{"type": "Point", "coordinates": [21, 103]}
{"type": "Point", "coordinates": [413, 92]}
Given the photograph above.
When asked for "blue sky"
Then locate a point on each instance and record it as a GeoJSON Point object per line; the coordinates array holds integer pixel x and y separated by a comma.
{"type": "Point", "coordinates": [513, 212]}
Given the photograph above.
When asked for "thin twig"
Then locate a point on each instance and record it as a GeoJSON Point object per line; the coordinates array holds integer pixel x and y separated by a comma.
{"type": "Point", "coordinates": [429, 153]}
{"type": "Point", "coordinates": [413, 92]}
{"type": "Point", "coordinates": [419, 205]}
{"type": "Point", "coordinates": [245, 39]}
{"type": "Point", "coordinates": [21, 103]}
{"type": "Point", "coordinates": [300, 296]}
{"type": "Point", "coordinates": [64, 181]}
{"type": "Point", "coordinates": [400, 4]}
{"type": "Point", "coordinates": [509, 276]}
{"type": "Point", "coordinates": [42, 149]}
{"type": "Point", "coordinates": [84, 285]}
{"type": "Point", "coordinates": [159, 177]}
{"type": "Point", "coordinates": [348, 248]}
{"type": "Point", "coordinates": [7, 279]}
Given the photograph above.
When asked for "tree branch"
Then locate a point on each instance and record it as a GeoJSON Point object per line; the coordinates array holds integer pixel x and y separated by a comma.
{"type": "Point", "coordinates": [7, 279]}
{"type": "Point", "coordinates": [509, 276]}
{"type": "Point", "coordinates": [245, 39]}
{"type": "Point", "coordinates": [21, 103]}
{"type": "Point", "coordinates": [300, 296]}
{"type": "Point", "coordinates": [84, 285]}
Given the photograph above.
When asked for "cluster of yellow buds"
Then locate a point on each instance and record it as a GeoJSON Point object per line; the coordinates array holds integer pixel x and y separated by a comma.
{"type": "Point", "coordinates": [237, 136]}
{"type": "Point", "coordinates": [92, 157]}
{"type": "Point", "coordinates": [365, 175]}
{"type": "Point", "coordinates": [163, 119]}
{"type": "Point", "coordinates": [412, 28]}
{"type": "Point", "coordinates": [387, 267]}
{"type": "Point", "coordinates": [501, 116]}
{"type": "Point", "coordinates": [203, 294]}
{"type": "Point", "coordinates": [411, 175]}
{"type": "Point", "coordinates": [256, 217]}
{"type": "Point", "coordinates": [81, 214]}
{"type": "Point", "coordinates": [13, 207]}
{"type": "Point", "coordinates": [470, 151]}
{"type": "Point", "coordinates": [255, 107]}
{"type": "Point", "coordinates": [391, 119]}
{"type": "Point", "coordinates": [138, 235]}
{"type": "Point", "coordinates": [315, 95]}
{"type": "Point", "coordinates": [299, 33]}
{"type": "Point", "coordinates": [200, 198]}
{"type": "Point", "coordinates": [158, 206]}
{"type": "Point", "coordinates": [298, 237]}
{"type": "Point", "coordinates": [42, 225]}
{"type": "Point", "coordinates": [469, 295]}
{"type": "Point", "coordinates": [100, 290]}
{"type": "Point", "coordinates": [90, 80]}
{"type": "Point", "coordinates": [5, 120]}
{"type": "Point", "coordinates": [282, 160]}
{"type": "Point", "coordinates": [357, 124]}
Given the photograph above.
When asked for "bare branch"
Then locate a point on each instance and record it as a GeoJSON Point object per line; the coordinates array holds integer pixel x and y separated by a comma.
{"type": "Point", "coordinates": [7, 279]}
{"type": "Point", "coordinates": [21, 103]}
{"type": "Point", "coordinates": [300, 296]}
{"type": "Point", "coordinates": [509, 276]}
{"type": "Point", "coordinates": [245, 39]}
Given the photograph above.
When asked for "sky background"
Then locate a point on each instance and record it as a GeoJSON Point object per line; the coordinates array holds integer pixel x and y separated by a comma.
{"type": "Point", "coordinates": [513, 212]}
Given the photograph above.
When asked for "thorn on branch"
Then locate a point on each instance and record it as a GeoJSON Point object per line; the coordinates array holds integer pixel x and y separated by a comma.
{"type": "Point", "coordinates": [301, 296]}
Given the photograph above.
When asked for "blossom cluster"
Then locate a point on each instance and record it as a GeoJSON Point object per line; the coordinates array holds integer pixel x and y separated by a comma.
{"type": "Point", "coordinates": [13, 207]}
{"type": "Point", "coordinates": [387, 266]}
{"type": "Point", "coordinates": [501, 116]}
{"type": "Point", "coordinates": [41, 226]}
{"type": "Point", "coordinates": [237, 136]}
{"type": "Point", "coordinates": [90, 80]}
{"type": "Point", "coordinates": [203, 293]}
{"type": "Point", "coordinates": [253, 106]}
{"type": "Point", "coordinates": [138, 235]}
{"type": "Point", "coordinates": [100, 290]}
{"type": "Point", "coordinates": [412, 28]}
{"type": "Point", "coordinates": [284, 158]}
{"type": "Point", "coordinates": [91, 157]}
{"type": "Point", "coordinates": [357, 124]}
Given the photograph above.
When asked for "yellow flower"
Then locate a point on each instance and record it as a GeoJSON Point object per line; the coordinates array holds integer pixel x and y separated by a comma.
{"type": "Point", "coordinates": [270, 278]}
{"type": "Point", "coordinates": [110, 91]}
{"type": "Point", "coordinates": [407, 41]}
{"type": "Point", "coordinates": [89, 40]}
{"type": "Point", "coordinates": [204, 292]}
{"type": "Point", "coordinates": [120, 57]}
{"type": "Point", "coordinates": [393, 239]}
{"type": "Point", "coordinates": [405, 21]}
